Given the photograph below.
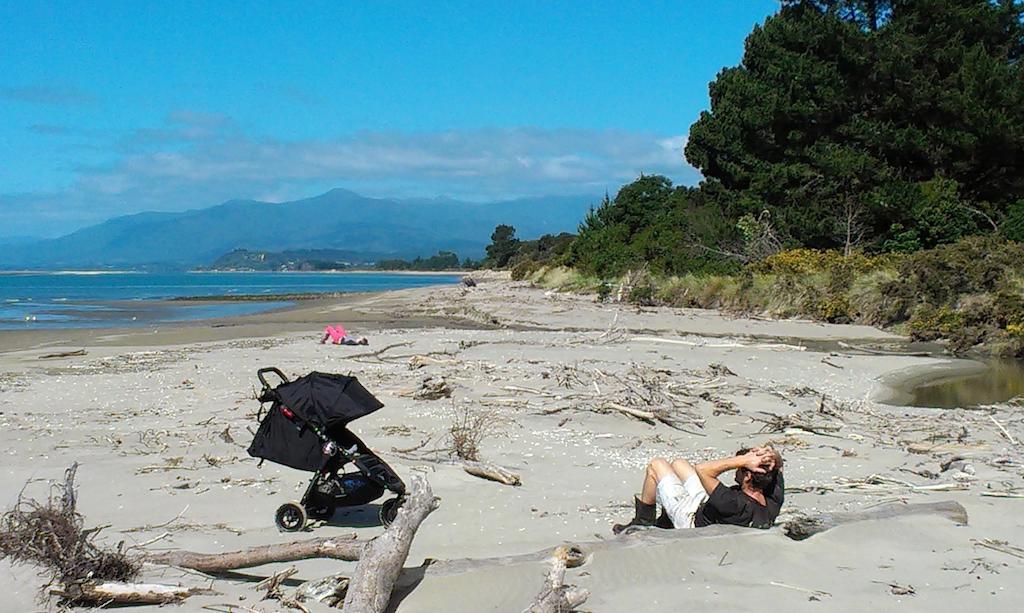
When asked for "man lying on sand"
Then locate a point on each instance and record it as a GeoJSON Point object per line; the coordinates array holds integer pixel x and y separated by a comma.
{"type": "Point", "coordinates": [340, 336]}
{"type": "Point", "coordinates": [693, 497]}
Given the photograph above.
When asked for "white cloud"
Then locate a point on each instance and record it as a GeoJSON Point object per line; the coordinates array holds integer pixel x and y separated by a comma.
{"type": "Point", "coordinates": [198, 159]}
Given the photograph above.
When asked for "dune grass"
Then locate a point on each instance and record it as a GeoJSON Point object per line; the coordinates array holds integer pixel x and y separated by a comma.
{"type": "Point", "coordinates": [969, 294]}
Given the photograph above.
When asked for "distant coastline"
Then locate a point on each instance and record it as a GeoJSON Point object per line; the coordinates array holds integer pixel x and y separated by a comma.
{"type": "Point", "coordinates": [346, 271]}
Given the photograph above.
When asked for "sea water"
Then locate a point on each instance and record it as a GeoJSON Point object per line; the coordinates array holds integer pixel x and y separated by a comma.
{"type": "Point", "coordinates": [35, 300]}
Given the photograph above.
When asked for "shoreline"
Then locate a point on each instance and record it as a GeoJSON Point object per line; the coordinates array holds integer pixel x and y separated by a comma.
{"type": "Point", "coordinates": [305, 312]}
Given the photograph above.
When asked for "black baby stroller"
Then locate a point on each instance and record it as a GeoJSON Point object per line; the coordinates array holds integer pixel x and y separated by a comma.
{"type": "Point", "coordinates": [305, 429]}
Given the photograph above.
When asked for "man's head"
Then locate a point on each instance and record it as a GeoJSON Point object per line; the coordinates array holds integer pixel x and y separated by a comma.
{"type": "Point", "coordinates": [760, 481]}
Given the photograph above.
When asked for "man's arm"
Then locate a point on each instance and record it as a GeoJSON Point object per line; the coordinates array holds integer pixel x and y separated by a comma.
{"type": "Point", "coordinates": [709, 471]}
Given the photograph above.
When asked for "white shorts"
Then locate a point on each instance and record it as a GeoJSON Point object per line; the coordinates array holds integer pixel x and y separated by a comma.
{"type": "Point", "coordinates": [681, 500]}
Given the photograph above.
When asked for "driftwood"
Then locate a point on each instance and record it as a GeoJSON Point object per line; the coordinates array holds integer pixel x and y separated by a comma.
{"type": "Point", "coordinates": [555, 596]}
{"type": "Point", "coordinates": [656, 536]}
{"type": "Point", "coordinates": [492, 472]}
{"type": "Point", "coordinates": [801, 528]}
{"type": "Point", "coordinates": [381, 561]}
{"type": "Point", "coordinates": [327, 590]}
{"type": "Point", "coordinates": [118, 593]}
{"type": "Point", "coordinates": [343, 547]}
{"type": "Point", "coordinates": [653, 415]}
{"type": "Point", "coordinates": [64, 354]}
{"type": "Point", "coordinates": [430, 388]}
{"type": "Point", "coordinates": [869, 350]}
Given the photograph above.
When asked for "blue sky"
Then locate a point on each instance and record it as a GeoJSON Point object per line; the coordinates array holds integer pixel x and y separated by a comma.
{"type": "Point", "coordinates": [117, 107]}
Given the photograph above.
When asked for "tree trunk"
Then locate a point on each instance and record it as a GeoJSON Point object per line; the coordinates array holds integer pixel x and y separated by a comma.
{"type": "Point", "coordinates": [382, 559]}
{"type": "Point", "coordinates": [343, 547]}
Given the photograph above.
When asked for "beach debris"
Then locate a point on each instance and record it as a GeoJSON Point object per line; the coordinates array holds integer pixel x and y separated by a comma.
{"type": "Point", "coordinates": [328, 590]}
{"type": "Point", "coordinates": [806, 421]}
{"type": "Point", "coordinates": [805, 526]}
{"type": "Point", "coordinates": [491, 472]}
{"type": "Point", "coordinates": [469, 429]}
{"type": "Point", "coordinates": [1001, 546]}
{"type": "Point", "coordinates": [341, 547]}
{"type": "Point", "coordinates": [433, 388]}
{"type": "Point", "coordinates": [106, 593]}
{"type": "Point", "coordinates": [813, 594]}
{"type": "Point", "coordinates": [468, 282]}
{"type": "Point", "coordinates": [881, 484]}
{"type": "Point", "coordinates": [997, 494]}
{"type": "Point", "coordinates": [52, 535]}
{"type": "Point", "coordinates": [272, 584]}
{"type": "Point", "coordinates": [898, 590]}
{"type": "Point", "coordinates": [832, 364]}
{"type": "Point", "coordinates": [419, 361]}
{"type": "Point", "coordinates": [555, 596]}
{"type": "Point", "coordinates": [381, 560]}
{"type": "Point", "coordinates": [64, 354]}
{"type": "Point", "coordinates": [717, 369]}
{"type": "Point", "coordinates": [376, 354]}
{"type": "Point", "coordinates": [1008, 436]}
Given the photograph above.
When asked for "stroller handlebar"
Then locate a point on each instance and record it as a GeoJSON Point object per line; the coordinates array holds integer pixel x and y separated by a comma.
{"type": "Point", "coordinates": [271, 369]}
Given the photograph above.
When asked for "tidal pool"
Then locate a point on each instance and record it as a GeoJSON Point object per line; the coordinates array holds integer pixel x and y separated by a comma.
{"type": "Point", "coordinates": [966, 386]}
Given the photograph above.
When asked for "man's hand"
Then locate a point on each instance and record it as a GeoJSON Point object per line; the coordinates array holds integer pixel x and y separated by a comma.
{"type": "Point", "coordinates": [772, 458]}
{"type": "Point", "coordinates": [757, 460]}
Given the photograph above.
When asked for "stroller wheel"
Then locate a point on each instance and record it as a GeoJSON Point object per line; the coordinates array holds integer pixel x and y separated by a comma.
{"type": "Point", "coordinates": [324, 512]}
{"type": "Point", "coordinates": [389, 510]}
{"type": "Point", "coordinates": [290, 517]}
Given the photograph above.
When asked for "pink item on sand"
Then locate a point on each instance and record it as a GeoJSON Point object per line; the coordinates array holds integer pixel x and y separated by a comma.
{"type": "Point", "coordinates": [336, 333]}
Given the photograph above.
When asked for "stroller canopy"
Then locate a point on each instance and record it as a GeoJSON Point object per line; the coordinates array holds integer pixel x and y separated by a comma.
{"type": "Point", "coordinates": [325, 400]}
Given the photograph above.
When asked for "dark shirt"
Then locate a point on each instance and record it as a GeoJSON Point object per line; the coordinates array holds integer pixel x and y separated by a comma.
{"type": "Point", "coordinates": [729, 505]}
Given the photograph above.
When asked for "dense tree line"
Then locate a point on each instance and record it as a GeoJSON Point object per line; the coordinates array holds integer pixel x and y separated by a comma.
{"type": "Point", "coordinates": [854, 125]}
{"type": "Point", "coordinates": [444, 260]}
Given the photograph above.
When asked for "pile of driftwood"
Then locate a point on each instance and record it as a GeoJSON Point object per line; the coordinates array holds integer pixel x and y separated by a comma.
{"type": "Point", "coordinates": [52, 535]}
{"type": "Point", "coordinates": [651, 395]}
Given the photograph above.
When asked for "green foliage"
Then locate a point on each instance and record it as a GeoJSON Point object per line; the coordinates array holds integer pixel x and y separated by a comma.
{"type": "Point", "coordinates": [886, 124]}
{"type": "Point", "coordinates": [504, 245]}
{"type": "Point", "coordinates": [1013, 226]}
{"type": "Point", "coordinates": [670, 229]}
{"type": "Point", "coordinates": [444, 260]}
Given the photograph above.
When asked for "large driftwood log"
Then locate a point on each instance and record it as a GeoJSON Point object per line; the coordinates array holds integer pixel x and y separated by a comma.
{"type": "Point", "coordinates": [115, 592]}
{"type": "Point", "coordinates": [491, 472]}
{"type": "Point", "coordinates": [381, 560]}
{"type": "Point", "coordinates": [800, 528]}
{"type": "Point", "coordinates": [342, 547]}
{"type": "Point", "coordinates": [656, 536]}
{"type": "Point", "coordinates": [555, 596]}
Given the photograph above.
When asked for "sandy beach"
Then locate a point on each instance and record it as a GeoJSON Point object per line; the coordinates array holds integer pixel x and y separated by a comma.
{"type": "Point", "coordinates": [159, 420]}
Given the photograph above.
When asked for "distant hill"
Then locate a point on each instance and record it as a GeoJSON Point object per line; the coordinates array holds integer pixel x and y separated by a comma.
{"type": "Point", "coordinates": [294, 259]}
{"type": "Point", "coordinates": [339, 219]}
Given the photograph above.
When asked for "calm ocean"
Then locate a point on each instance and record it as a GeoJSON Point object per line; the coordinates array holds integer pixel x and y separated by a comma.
{"type": "Point", "coordinates": [83, 300]}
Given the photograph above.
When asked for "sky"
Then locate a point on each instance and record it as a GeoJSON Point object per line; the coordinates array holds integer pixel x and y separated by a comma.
{"type": "Point", "coordinates": [110, 108]}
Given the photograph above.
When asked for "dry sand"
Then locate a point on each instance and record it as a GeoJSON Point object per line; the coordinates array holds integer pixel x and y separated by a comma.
{"type": "Point", "coordinates": [160, 420]}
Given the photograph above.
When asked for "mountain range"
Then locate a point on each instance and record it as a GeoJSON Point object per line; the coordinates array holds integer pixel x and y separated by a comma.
{"type": "Point", "coordinates": [338, 219]}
